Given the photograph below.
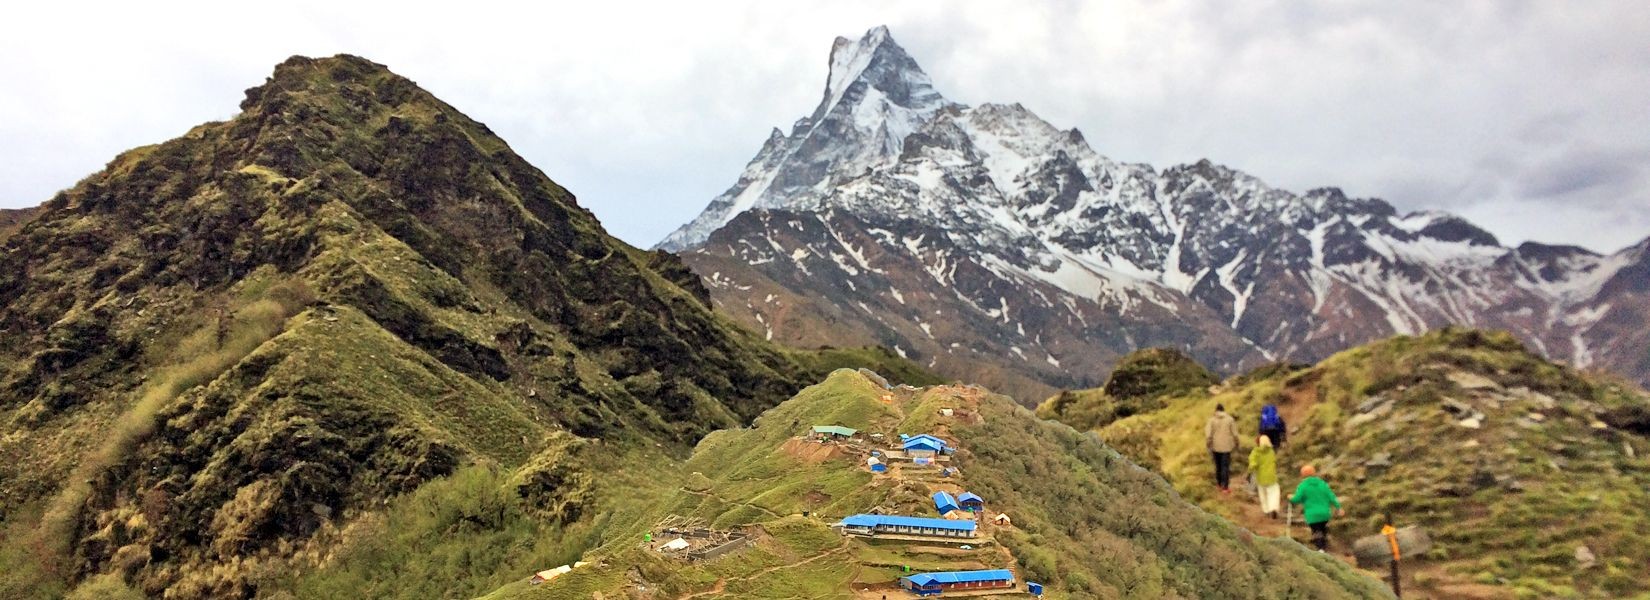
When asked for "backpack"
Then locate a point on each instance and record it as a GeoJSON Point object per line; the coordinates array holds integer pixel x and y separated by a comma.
{"type": "Point", "coordinates": [1269, 418]}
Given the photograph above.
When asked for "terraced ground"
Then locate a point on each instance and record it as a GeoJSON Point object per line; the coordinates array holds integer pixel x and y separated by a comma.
{"type": "Point", "coordinates": [1085, 520]}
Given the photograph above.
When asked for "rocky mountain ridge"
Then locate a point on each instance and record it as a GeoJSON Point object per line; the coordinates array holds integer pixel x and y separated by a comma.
{"type": "Point", "coordinates": [888, 189]}
{"type": "Point", "coordinates": [226, 357]}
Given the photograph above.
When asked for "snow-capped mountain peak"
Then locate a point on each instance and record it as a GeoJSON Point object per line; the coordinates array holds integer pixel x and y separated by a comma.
{"type": "Point", "coordinates": [1022, 222]}
{"type": "Point", "coordinates": [875, 97]}
{"type": "Point", "coordinates": [849, 58]}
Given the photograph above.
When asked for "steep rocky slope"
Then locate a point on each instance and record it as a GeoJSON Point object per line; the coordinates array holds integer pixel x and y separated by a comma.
{"type": "Point", "coordinates": [1084, 520]}
{"type": "Point", "coordinates": [13, 218]}
{"type": "Point", "coordinates": [1513, 463]}
{"type": "Point", "coordinates": [973, 235]}
{"type": "Point", "coordinates": [224, 355]}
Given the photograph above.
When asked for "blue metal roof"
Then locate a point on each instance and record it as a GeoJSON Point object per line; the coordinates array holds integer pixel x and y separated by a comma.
{"type": "Point", "coordinates": [944, 502]}
{"type": "Point", "coordinates": [899, 521]}
{"type": "Point", "coordinates": [924, 444]}
{"type": "Point", "coordinates": [924, 436]}
{"type": "Point", "coordinates": [966, 496]}
{"type": "Point", "coordinates": [925, 579]}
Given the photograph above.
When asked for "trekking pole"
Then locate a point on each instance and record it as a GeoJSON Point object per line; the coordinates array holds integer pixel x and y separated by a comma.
{"type": "Point", "coordinates": [1289, 523]}
{"type": "Point", "coordinates": [1391, 534]}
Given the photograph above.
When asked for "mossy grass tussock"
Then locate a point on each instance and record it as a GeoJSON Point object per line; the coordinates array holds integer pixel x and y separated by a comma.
{"type": "Point", "coordinates": [1516, 465]}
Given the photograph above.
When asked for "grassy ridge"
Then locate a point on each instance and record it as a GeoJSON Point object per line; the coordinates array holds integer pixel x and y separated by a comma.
{"type": "Point", "coordinates": [1507, 503]}
{"type": "Point", "coordinates": [467, 316]}
{"type": "Point", "coordinates": [1139, 383]}
{"type": "Point", "coordinates": [1087, 521]}
{"type": "Point", "coordinates": [252, 315]}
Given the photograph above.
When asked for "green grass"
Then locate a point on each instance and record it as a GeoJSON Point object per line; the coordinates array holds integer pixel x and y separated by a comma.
{"type": "Point", "coordinates": [877, 358]}
{"type": "Point", "coordinates": [1523, 540]}
{"type": "Point", "coordinates": [1139, 384]}
{"type": "Point", "coordinates": [257, 313]}
{"type": "Point", "coordinates": [1088, 522]}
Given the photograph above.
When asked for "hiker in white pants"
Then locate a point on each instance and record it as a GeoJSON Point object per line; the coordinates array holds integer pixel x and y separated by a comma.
{"type": "Point", "coordinates": [1263, 469]}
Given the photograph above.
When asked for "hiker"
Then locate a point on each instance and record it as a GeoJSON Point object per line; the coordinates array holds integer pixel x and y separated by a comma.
{"type": "Point", "coordinates": [1272, 425]}
{"type": "Point", "coordinates": [1220, 435]}
{"type": "Point", "coordinates": [1263, 472]}
{"type": "Point", "coordinates": [1318, 504]}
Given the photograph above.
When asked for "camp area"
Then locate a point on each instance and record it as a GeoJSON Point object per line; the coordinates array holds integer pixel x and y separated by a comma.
{"type": "Point", "coordinates": [691, 541]}
{"type": "Point", "coordinates": [936, 584]}
{"type": "Point", "coordinates": [924, 445]}
{"type": "Point", "coordinates": [548, 574]}
{"type": "Point", "coordinates": [944, 502]}
{"type": "Point", "coordinates": [925, 527]}
{"type": "Point", "coordinates": [826, 432]}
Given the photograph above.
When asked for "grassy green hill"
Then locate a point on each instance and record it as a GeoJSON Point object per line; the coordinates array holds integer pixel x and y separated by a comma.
{"type": "Point", "coordinates": [1085, 519]}
{"type": "Point", "coordinates": [1511, 462]}
{"type": "Point", "coordinates": [1139, 383]}
{"type": "Point", "coordinates": [273, 354]}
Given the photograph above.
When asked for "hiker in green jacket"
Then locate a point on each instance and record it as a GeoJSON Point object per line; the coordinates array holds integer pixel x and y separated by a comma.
{"type": "Point", "coordinates": [1318, 504]}
{"type": "Point", "coordinates": [1263, 472]}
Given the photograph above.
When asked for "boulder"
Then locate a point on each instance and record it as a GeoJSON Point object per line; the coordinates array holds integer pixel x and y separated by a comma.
{"type": "Point", "coordinates": [1361, 420]}
{"type": "Point", "coordinates": [1376, 550]}
{"type": "Point", "coordinates": [1585, 558]}
{"type": "Point", "coordinates": [1379, 463]}
{"type": "Point", "coordinates": [1471, 381]}
{"type": "Point", "coordinates": [1457, 407]}
{"type": "Point", "coordinates": [1373, 402]}
{"type": "Point", "coordinates": [1543, 401]}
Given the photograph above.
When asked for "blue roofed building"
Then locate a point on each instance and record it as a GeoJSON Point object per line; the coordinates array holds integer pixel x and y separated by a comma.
{"type": "Point", "coordinates": [873, 525]}
{"type": "Point", "coordinates": [971, 502]}
{"type": "Point", "coordinates": [934, 584]}
{"type": "Point", "coordinates": [924, 446]}
{"type": "Point", "coordinates": [944, 503]}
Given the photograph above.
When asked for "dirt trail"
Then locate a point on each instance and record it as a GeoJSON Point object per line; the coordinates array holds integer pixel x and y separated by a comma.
{"type": "Point", "coordinates": [722, 584]}
{"type": "Point", "coordinates": [710, 494]}
{"type": "Point", "coordinates": [1299, 400]}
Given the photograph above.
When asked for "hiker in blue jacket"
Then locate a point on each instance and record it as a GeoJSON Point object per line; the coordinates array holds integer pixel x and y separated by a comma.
{"type": "Point", "coordinates": [1272, 425]}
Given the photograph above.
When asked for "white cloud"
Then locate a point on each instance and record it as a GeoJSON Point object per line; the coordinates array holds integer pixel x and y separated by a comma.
{"type": "Point", "coordinates": [1525, 116]}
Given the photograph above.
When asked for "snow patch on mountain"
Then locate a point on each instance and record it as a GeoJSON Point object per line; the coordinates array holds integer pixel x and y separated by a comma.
{"type": "Point", "coordinates": [992, 198]}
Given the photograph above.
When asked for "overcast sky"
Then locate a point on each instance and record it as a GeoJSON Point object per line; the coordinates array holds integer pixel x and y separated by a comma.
{"type": "Point", "coordinates": [1530, 118]}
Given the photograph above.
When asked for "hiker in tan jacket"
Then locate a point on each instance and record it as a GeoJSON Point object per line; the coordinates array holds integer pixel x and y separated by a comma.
{"type": "Point", "coordinates": [1220, 435]}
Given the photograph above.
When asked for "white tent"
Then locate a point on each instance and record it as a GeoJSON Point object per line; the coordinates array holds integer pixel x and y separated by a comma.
{"type": "Point", "coordinates": [548, 574]}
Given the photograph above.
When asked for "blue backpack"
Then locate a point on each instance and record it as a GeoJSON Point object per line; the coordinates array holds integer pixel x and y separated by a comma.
{"type": "Point", "coordinates": [1269, 419]}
